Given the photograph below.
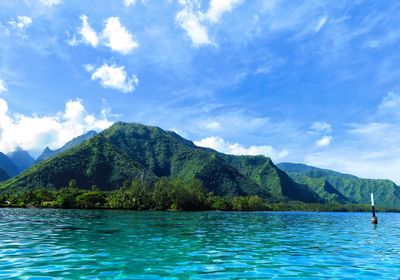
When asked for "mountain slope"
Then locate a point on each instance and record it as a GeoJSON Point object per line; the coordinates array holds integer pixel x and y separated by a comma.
{"type": "Point", "coordinates": [3, 175]}
{"type": "Point", "coordinates": [21, 159]}
{"type": "Point", "coordinates": [7, 165]}
{"type": "Point", "coordinates": [126, 151]}
{"type": "Point", "coordinates": [47, 152]}
{"type": "Point", "coordinates": [263, 172]}
{"type": "Point", "coordinates": [353, 188]}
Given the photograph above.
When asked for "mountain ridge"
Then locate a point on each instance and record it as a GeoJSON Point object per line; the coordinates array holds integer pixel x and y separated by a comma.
{"type": "Point", "coordinates": [131, 150]}
{"type": "Point", "coordinates": [355, 189]}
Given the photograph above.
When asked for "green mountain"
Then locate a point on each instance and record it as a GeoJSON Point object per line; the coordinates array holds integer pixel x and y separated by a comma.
{"type": "Point", "coordinates": [127, 151]}
{"type": "Point", "coordinates": [21, 159]}
{"type": "Point", "coordinates": [355, 189]}
{"type": "Point", "coordinates": [7, 165]}
{"type": "Point", "coordinates": [47, 152]}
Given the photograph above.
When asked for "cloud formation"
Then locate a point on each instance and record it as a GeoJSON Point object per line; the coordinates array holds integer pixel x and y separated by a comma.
{"type": "Point", "coordinates": [128, 3]}
{"type": "Point", "coordinates": [218, 7]}
{"type": "Point", "coordinates": [114, 36]}
{"type": "Point", "coordinates": [191, 21]}
{"type": "Point", "coordinates": [321, 127]}
{"type": "Point", "coordinates": [113, 77]}
{"type": "Point", "coordinates": [196, 23]}
{"type": "Point", "coordinates": [51, 2]}
{"type": "Point", "coordinates": [390, 102]}
{"type": "Point", "coordinates": [88, 35]}
{"type": "Point", "coordinates": [117, 37]}
{"type": "Point", "coordinates": [219, 144]}
{"type": "Point", "coordinates": [324, 141]}
{"type": "Point", "coordinates": [21, 22]}
{"type": "Point", "coordinates": [34, 132]}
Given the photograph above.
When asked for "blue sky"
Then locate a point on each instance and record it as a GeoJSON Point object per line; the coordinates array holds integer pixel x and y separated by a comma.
{"type": "Point", "coordinates": [306, 81]}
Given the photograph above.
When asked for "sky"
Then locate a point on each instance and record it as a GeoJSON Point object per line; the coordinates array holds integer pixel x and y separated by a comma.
{"type": "Point", "coordinates": [315, 82]}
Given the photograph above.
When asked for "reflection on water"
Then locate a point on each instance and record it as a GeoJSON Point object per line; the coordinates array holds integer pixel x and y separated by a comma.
{"type": "Point", "coordinates": [202, 245]}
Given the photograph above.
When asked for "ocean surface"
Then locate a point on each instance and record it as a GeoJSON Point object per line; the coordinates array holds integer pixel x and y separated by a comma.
{"type": "Point", "coordinates": [79, 244]}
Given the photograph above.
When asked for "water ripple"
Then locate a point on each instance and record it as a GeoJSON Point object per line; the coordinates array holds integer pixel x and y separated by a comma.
{"type": "Point", "coordinates": [70, 244]}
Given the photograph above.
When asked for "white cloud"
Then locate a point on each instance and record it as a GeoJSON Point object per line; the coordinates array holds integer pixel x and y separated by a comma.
{"type": "Point", "coordinates": [35, 132]}
{"type": "Point", "coordinates": [321, 127]}
{"type": "Point", "coordinates": [196, 23]}
{"type": "Point", "coordinates": [191, 22]}
{"type": "Point", "coordinates": [361, 164]}
{"type": "Point", "coordinates": [390, 102]}
{"type": "Point", "coordinates": [3, 87]}
{"type": "Point", "coordinates": [114, 77]}
{"type": "Point", "coordinates": [114, 35]}
{"type": "Point", "coordinates": [219, 144]}
{"type": "Point", "coordinates": [88, 34]}
{"type": "Point", "coordinates": [51, 2]}
{"type": "Point", "coordinates": [21, 22]}
{"type": "Point", "coordinates": [212, 125]}
{"type": "Point", "coordinates": [219, 7]}
{"type": "Point", "coordinates": [322, 21]}
{"type": "Point", "coordinates": [324, 141]}
{"type": "Point", "coordinates": [128, 3]}
{"type": "Point", "coordinates": [117, 37]}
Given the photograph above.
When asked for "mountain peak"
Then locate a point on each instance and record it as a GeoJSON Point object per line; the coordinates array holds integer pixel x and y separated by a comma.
{"type": "Point", "coordinates": [47, 152]}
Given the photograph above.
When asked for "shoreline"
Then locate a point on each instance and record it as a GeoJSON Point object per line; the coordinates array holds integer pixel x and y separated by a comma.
{"type": "Point", "coordinates": [286, 210]}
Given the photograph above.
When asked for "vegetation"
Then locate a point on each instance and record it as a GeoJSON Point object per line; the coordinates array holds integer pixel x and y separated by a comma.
{"type": "Point", "coordinates": [352, 188]}
{"type": "Point", "coordinates": [164, 194]}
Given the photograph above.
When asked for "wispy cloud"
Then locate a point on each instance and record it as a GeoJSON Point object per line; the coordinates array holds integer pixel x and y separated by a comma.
{"type": "Point", "coordinates": [390, 103]}
{"type": "Point", "coordinates": [21, 22]}
{"type": "Point", "coordinates": [191, 21]}
{"type": "Point", "coordinates": [321, 127]}
{"type": "Point", "coordinates": [3, 87]}
{"type": "Point", "coordinates": [196, 23]}
{"type": "Point", "coordinates": [219, 144]}
{"type": "Point", "coordinates": [51, 2]}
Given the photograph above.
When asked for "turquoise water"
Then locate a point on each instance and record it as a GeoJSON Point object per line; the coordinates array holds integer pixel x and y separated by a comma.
{"type": "Point", "coordinates": [71, 244]}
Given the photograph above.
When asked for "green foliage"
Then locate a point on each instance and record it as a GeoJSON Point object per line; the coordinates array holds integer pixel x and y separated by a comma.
{"type": "Point", "coordinates": [91, 199]}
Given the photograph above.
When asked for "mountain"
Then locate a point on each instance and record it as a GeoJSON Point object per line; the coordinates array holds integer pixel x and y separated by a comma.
{"type": "Point", "coordinates": [3, 175]}
{"type": "Point", "coordinates": [21, 159]}
{"type": "Point", "coordinates": [47, 152]}
{"type": "Point", "coordinates": [126, 151]}
{"type": "Point", "coordinates": [7, 165]}
{"type": "Point", "coordinates": [355, 189]}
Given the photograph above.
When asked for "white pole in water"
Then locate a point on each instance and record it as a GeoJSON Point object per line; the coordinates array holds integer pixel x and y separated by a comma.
{"type": "Point", "coordinates": [374, 219]}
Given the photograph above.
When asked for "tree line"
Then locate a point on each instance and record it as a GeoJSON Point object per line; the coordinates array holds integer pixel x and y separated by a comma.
{"type": "Point", "coordinates": [164, 194]}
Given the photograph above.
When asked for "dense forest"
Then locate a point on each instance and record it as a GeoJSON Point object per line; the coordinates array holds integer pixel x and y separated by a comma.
{"type": "Point", "coordinates": [165, 194]}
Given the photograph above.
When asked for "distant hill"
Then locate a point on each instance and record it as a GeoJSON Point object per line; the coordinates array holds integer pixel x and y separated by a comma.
{"type": "Point", "coordinates": [47, 152]}
{"type": "Point", "coordinates": [355, 189]}
{"type": "Point", "coordinates": [126, 151]}
{"type": "Point", "coordinates": [21, 159]}
{"type": "Point", "coordinates": [3, 175]}
{"type": "Point", "coordinates": [7, 165]}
